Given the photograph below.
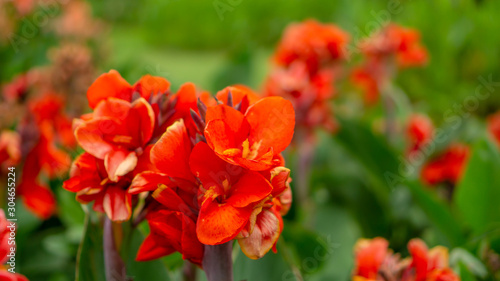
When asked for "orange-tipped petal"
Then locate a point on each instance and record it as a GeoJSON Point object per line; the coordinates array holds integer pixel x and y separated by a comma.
{"type": "Point", "coordinates": [119, 162]}
{"type": "Point", "coordinates": [148, 181]}
{"type": "Point", "coordinates": [117, 203]}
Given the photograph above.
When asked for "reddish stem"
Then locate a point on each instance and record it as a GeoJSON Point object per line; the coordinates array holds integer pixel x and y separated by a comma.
{"type": "Point", "coordinates": [113, 263]}
{"type": "Point", "coordinates": [218, 262]}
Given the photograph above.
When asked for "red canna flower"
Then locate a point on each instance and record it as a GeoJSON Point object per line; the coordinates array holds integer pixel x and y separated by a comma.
{"type": "Point", "coordinates": [311, 42]}
{"type": "Point", "coordinates": [49, 108]}
{"type": "Point", "coordinates": [428, 264]}
{"type": "Point", "coordinates": [395, 41]}
{"type": "Point", "coordinates": [229, 195]}
{"type": "Point", "coordinates": [370, 255]}
{"type": "Point", "coordinates": [251, 139]}
{"type": "Point", "coordinates": [89, 179]}
{"type": "Point", "coordinates": [374, 261]}
{"type": "Point", "coordinates": [447, 167]}
{"type": "Point", "coordinates": [363, 78]}
{"type": "Point", "coordinates": [419, 131]}
{"type": "Point", "coordinates": [117, 133]}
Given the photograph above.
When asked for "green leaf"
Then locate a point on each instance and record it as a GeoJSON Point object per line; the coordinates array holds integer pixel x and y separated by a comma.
{"type": "Point", "coordinates": [90, 259]}
{"type": "Point", "coordinates": [143, 271]}
{"type": "Point", "coordinates": [478, 192]}
{"type": "Point", "coordinates": [382, 163]}
{"type": "Point", "coordinates": [270, 267]}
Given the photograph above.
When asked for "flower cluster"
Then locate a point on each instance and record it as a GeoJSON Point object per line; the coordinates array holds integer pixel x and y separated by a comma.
{"type": "Point", "coordinates": [394, 47]}
{"type": "Point", "coordinates": [375, 261]}
{"type": "Point", "coordinates": [305, 68]}
{"type": "Point", "coordinates": [206, 170]}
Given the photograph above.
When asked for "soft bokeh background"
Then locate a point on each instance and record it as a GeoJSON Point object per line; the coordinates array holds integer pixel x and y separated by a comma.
{"type": "Point", "coordinates": [187, 40]}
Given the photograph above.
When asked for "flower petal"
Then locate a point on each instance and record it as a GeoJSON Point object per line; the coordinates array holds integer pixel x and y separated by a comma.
{"type": "Point", "coordinates": [272, 120]}
{"type": "Point", "coordinates": [107, 85]}
{"type": "Point", "coordinates": [117, 203]}
{"type": "Point", "coordinates": [220, 223]}
{"type": "Point", "coordinates": [119, 162]}
{"type": "Point", "coordinates": [252, 187]}
{"type": "Point", "coordinates": [265, 233]}
{"type": "Point", "coordinates": [150, 85]}
{"type": "Point", "coordinates": [171, 153]}
{"type": "Point", "coordinates": [148, 181]}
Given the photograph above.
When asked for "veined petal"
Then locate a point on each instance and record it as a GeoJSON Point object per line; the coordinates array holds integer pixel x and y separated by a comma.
{"type": "Point", "coordinates": [90, 135]}
{"type": "Point", "coordinates": [117, 203]}
{"type": "Point", "coordinates": [264, 235]}
{"type": "Point", "coordinates": [220, 223]}
{"type": "Point", "coordinates": [141, 121]}
{"type": "Point", "coordinates": [150, 249]}
{"type": "Point", "coordinates": [119, 162]}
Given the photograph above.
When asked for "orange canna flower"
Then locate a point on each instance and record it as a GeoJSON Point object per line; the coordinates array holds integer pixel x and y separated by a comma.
{"type": "Point", "coordinates": [370, 255]}
{"type": "Point", "coordinates": [251, 140]}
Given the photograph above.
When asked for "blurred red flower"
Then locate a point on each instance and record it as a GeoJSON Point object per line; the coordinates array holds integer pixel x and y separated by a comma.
{"type": "Point", "coordinates": [394, 41]}
{"type": "Point", "coordinates": [448, 166]}
{"type": "Point", "coordinates": [374, 261]}
{"type": "Point", "coordinates": [419, 131]}
{"type": "Point", "coordinates": [313, 43]}
{"type": "Point", "coordinates": [10, 149]}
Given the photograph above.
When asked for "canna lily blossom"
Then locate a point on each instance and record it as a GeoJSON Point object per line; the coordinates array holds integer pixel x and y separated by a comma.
{"type": "Point", "coordinates": [230, 195]}
{"type": "Point", "coordinates": [375, 261]}
{"type": "Point", "coordinates": [117, 133]}
{"type": "Point", "coordinates": [90, 181]}
{"type": "Point", "coordinates": [419, 131]}
{"type": "Point", "coordinates": [394, 41]}
{"type": "Point", "coordinates": [314, 43]}
{"type": "Point", "coordinates": [252, 139]}
{"type": "Point", "coordinates": [447, 167]}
